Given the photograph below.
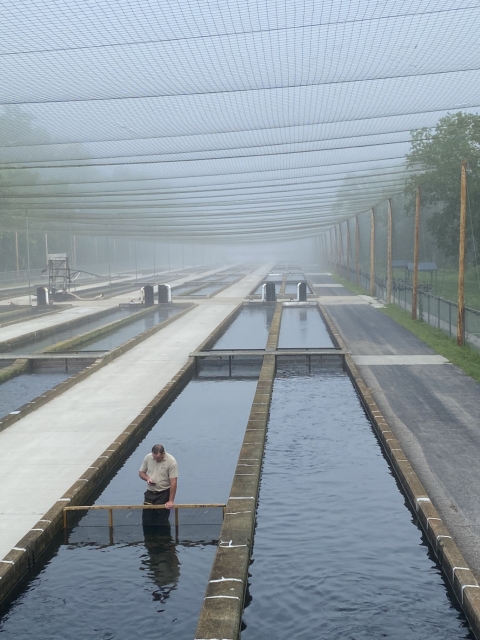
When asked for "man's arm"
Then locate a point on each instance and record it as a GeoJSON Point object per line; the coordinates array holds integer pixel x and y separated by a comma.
{"type": "Point", "coordinates": [144, 476]}
{"type": "Point", "coordinates": [173, 491]}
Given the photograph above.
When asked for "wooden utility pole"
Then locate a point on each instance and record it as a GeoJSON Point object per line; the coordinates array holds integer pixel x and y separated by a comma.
{"type": "Point", "coordinates": [389, 253]}
{"type": "Point", "coordinates": [336, 249]}
{"type": "Point", "coordinates": [357, 253]}
{"type": "Point", "coordinates": [348, 250]}
{"type": "Point", "coordinates": [340, 248]}
{"type": "Point", "coordinates": [415, 255]}
{"type": "Point", "coordinates": [461, 257]}
{"type": "Point", "coordinates": [372, 253]}
{"type": "Point", "coordinates": [330, 250]}
{"type": "Point", "coordinates": [16, 250]}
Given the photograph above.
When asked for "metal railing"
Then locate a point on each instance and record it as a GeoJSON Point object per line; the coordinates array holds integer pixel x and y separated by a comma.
{"type": "Point", "coordinates": [122, 507]}
{"type": "Point", "coordinates": [434, 310]}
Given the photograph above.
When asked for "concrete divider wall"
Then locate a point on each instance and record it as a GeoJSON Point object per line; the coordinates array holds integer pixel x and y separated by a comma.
{"type": "Point", "coordinates": [7, 345]}
{"type": "Point", "coordinates": [22, 314]}
{"type": "Point", "coordinates": [21, 365]}
{"type": "Point", "coordinates": [222, 609]}
{"type": "Point", "coordinates": [453, 564]}
{"type": "Point", "coordinates": [76, 341]}
{"type": "Point", "coordinates": [22, 558]}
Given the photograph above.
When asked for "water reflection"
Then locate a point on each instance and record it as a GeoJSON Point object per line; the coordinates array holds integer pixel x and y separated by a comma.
{"type": "Point", "coordinates": [161, 560]}
{"type": "Point", "coordinates": [303, 327]}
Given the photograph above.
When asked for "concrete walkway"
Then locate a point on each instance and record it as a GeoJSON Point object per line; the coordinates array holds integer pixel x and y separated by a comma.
{"type": "Point", "coordinates": [52, 447]}
{"type": "Point", "coordinates": [433, 409]}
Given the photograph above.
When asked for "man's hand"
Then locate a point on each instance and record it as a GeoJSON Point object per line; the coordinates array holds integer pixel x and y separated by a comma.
{"type": "Point", "coordinates": [147, 479]}
{"type": "Point", "coordinates": [169, 504]}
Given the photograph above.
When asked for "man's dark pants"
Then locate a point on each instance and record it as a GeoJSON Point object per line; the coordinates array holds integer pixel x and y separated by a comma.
{"type": "Point", "coordinates": [156, 516]}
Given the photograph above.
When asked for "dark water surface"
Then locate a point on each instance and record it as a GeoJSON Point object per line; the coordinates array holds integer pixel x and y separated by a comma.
{"type": "Point", "coordinates": [249, 330]}
{"type": "Point", "coordinates": [291, 288]}
{"type": "Point", "coordinates": [71, 332]}
{"type": "Point", "coordinates": [303, 327]}
{"type": "Point", "coordinates": [129, 331]}
{"type": "Point", "coordinates": [336, 553]}
{"type": "Point", "coordinates": [23, 388]}
{"type": "Point", "coordinates": [278, 286]}
{"type": "Point", "coordinates": [135, 583]}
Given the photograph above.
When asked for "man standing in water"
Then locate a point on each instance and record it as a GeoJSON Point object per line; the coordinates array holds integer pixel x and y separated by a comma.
{"type": "Point", "coordinates": [159, 470]}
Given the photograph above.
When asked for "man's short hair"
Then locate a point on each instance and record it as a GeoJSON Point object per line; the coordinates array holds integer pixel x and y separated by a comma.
{"type": "Point", "coordinates": [158, 448]}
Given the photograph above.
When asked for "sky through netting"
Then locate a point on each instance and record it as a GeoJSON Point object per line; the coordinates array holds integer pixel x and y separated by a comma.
{"type": "Point", "coordinates": [238, 120]}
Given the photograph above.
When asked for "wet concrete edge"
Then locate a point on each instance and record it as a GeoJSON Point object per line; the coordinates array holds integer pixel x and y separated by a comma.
{"type": "Point", "coordinates": [31, 316]}
{"type": "Point", "coordinates": [454, 566]}
{"type": "Point", "coordinates": [22, 558]}
{"type": "Point", "coordinates": [98, 363]}
{"type": "Point", "coordinates": [223, 604]}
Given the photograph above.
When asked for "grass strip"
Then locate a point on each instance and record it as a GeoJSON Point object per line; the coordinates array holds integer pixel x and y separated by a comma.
{"type": "Point", "coordinates": [466, 358]}
{"type": "Point", "coordinates": [350, 286]}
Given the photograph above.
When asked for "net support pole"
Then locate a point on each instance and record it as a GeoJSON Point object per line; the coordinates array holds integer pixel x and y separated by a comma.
{"type": "Point", "coordinates": [461, 256]}
{"type": "Point", "coordinates": [415, 255]}
{"type": "Point", "coordinates": [348, 250]}
{"type": "Point", "coordinates": [340, 248]}
{"type": "Point", "coordinates": [357, 253]}
{"type": "Point", "coordinates": [336, 248]}
{"type": "Point", "coordinates": [372, 253]}
{"type": "Point", "coordinates": [389, 253]}
{"type": "Point", "coordinates": [28, 264]}
{"type": "Point", "coordinates": [16, 251]}
{"type": "Point", "coordinates": [331, 250]}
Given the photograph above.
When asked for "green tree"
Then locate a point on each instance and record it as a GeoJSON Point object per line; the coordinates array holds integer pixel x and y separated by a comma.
{"type": "Point", "coordinates": [436, 157]}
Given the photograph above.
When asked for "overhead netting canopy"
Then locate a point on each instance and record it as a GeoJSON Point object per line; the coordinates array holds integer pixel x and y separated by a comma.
{"type": "Point", "coordinates": [235, 120]}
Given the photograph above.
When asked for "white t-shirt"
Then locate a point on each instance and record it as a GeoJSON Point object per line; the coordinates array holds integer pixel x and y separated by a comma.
{"type": "Point", "coordinates": [160, 472]}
